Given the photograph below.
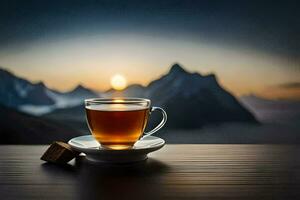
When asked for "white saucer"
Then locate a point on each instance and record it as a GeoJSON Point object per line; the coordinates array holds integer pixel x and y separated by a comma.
{"type": "Point", "coordinates": [94, 152]}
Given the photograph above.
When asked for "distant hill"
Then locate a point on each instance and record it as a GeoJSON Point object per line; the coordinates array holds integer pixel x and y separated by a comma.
{"type": "Point", "coordinates": [267, 110]}
{"type": "Point", "coordinates": [80, 91]}
{"type": "Point", "coordinates": [36, 98]}
{"type": "Point", "coordinates": [20, 128]}
{"type": "Point", "coordinates": [190, 99]}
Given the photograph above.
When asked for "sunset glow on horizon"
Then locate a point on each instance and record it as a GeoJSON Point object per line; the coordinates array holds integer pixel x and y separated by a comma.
{"type": "Point", "coordinates": [90, 44]}
{"type": "Point", "coordinates": [64, 64]}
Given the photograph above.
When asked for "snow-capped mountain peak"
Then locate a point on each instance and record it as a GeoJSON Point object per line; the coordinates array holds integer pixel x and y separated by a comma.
{"type": "Point", "coordinates": [36, 98]}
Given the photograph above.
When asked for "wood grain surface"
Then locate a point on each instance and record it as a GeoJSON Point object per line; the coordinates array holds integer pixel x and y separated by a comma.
{"type": "Point", "coordinates": [174, 172]}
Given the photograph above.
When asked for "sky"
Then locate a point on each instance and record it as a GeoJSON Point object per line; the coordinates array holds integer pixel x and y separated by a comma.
{"type": "Point", "coordinates": [253, 47]}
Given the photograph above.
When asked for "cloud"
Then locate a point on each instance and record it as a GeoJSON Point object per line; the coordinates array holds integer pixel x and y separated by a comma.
{"type": "Point", "coordinates": [290, 85]}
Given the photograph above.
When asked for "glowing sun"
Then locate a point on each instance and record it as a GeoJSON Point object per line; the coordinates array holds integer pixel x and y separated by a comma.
{"type": "Point", "coordinates": [118, 82]}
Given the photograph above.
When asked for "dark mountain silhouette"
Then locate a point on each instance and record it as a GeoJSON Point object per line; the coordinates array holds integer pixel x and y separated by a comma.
{"type": "Point", "coordinates": [36, 98]}
{"type": "Point", "coordinates": [190, 99]}
{"type": "Point", "coordinates": [81, 91]}
{"type": "Point", "coordinates": [20, 128]}
{"type": "Point", "coordinates": [15, 91]}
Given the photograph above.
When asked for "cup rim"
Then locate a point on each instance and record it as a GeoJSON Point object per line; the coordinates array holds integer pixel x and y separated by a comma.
{"type": "Point", "coordinates": [117, 100]}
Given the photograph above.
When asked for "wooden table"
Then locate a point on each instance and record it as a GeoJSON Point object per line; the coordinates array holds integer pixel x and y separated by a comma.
{"type": "Point", "coordinates": [174, 172]}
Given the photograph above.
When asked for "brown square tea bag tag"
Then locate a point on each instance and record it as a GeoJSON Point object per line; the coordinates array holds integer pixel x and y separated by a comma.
{"type": "Point", "coordinates": [59, 152]}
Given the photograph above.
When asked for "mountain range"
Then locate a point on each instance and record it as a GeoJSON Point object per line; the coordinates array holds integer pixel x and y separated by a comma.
{"type": "Point", "coordinates": [36, 98]}
{"type": "Point", "coordinates": [15, 91]}
{"type": "Point", "coordinates": [190, 99]}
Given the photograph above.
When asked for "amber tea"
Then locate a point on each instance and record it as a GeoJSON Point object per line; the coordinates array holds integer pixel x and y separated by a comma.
{"type": "Point", "coordinates": [118, 124]}
{"type": "Point", "coordinates": [117, 127]}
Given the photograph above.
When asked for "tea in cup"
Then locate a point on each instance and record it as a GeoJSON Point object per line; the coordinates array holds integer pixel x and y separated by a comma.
{"type": "Point", "coordinates": [119, 123]}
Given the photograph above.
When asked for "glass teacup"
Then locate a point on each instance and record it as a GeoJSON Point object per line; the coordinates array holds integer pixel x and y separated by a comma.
{"type": "Point", "coordinates": [119, 123]}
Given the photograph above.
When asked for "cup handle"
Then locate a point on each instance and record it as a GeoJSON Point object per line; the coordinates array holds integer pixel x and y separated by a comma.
{"type": "Point", "coordinates": [160, 125]}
